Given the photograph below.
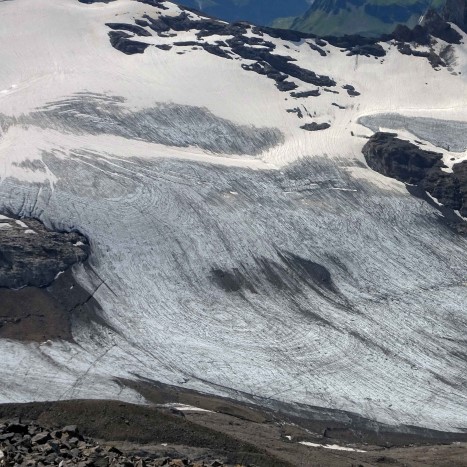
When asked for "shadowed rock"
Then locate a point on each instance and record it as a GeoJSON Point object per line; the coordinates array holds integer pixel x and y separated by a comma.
{"type": "Point", "coordinates": [120, 41]}
{"type": "Point", "coordinates": [408, 163]}
{"type": "Point", "coordinates": [33, 255]}
{"type": "Point", "coordinates": [315, 126]}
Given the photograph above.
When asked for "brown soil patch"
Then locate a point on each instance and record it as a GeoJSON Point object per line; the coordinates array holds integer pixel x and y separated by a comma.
{"type": "Point", "coordinates": [32, 314]}
{"type": "Point", "coordinates": [156, 431]}
{"type": "Point", "coordinates": [35, 314]}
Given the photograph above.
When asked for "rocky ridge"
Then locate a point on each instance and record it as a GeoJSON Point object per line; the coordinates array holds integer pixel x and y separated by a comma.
{"type": "Point", "coordinates": [256, 50]}
{"type": "Point", "coordinates": [248, 42]}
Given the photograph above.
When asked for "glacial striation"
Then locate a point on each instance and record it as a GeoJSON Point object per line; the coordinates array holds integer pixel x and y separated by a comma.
{"type": "Point", "coordinates": [450, 135]}
{"type": "Point", "coordinates": [164, 123]}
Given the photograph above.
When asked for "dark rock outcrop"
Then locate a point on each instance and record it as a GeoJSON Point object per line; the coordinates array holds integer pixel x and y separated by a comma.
{"type": "Point", "coordinates": [33, 255]}
{"type": "Point", "coordinates": [138, 30]}
{"type": "Point", "coordinates": [317, 49]}
{"type": "Point", "coordinates": [121, 41]}
{"type": "Point", "coordinates": [358, 45]}
{"type": "Point", "coordinates": [418, 34]}
{"type": "Point", "coordinates": [286, 86]}
{"type": "Point", "coordinates": [297, 111]}
{"type": "Point", "coordinates": [400, 159]}
{"type": "Point", "coordinates": [434, 59]}
{"type": "Point", "coordinates": [304, 94]}
{"type": "Point", "coordinates": [404, 161]}
{"type": "Point", "coordinates": [276, 67]}
{"type": "Point", "coordinates": [257, 49]}
{"type": "Point", "coordinates": [157, 3]}
{"type": "Point", "coordinates": [89, 2]}
{"type": "Point", "coordinates": [42, 314]}
{"type": "Point", "coordinates": [34, 445]}
{"type": "Point", "coordinates": [315, 126]}
{"type": "Point", "coordinates": [351, 91]}
{"type": "Point", "coordinates": [438, 27]}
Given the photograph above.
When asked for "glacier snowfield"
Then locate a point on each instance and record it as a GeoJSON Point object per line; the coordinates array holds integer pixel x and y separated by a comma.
{"type": "Point", "coordinates": [233, 252]}
{"type": "Point", "coordinates": [447, 134]}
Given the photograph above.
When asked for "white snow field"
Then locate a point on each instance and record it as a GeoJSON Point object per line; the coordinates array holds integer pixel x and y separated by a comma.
{"type": "Point", "coordinates": [232, 251]}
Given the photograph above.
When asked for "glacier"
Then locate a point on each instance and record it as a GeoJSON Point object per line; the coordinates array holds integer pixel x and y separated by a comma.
{"type": "Point", "coordinates": [232, 252]}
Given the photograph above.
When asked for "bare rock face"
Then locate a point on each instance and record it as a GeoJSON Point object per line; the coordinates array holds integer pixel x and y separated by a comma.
{"type": "Point", "coordinates": [31, 255]}
{"type": "Point", "coordinates": [406, 162]}
{"type": "Point", "coordinates": [120, 40]}
{"type": "Point", "coordinates": [399, 159]}
{"type": "Point", "coordinates": [437, 25]}
{"type": "Point", "coordinates": [313, 126]}
{"type": "Point", "coordinates": [460, 173]}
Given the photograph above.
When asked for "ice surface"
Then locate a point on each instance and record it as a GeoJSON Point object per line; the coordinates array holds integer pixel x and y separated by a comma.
{"type": "Point", "coordinates": [167, 124]}
{"type": "Point", "coordinates": [379, 337]}
{"type": "Point", "coordinates": [447, 134]}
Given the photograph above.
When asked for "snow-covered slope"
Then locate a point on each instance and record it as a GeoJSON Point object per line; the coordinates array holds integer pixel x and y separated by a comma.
{"type": "Point", "coordinates": [234, 251]}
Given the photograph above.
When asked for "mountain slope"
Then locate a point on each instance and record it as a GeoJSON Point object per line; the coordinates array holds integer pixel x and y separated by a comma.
{"type": "Point", "coordinates": [240, 244]}
{"type": "Point", "coordinates": [455, 11]}
{"type": "Point", "coordinates": [328, 18]}
{"type": "Point", "coordinates": [261, 12]}
{"type": "Point", "coordinates": [369, 18]}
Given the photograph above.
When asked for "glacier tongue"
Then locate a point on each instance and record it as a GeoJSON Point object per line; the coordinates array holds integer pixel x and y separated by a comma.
{"type": "Point", "coordinates": [239, 281]}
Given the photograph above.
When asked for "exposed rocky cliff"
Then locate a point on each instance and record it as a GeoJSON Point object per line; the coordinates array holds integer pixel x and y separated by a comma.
{"type": "Point", "coordinates": [38, 294]}
{"type": "Point", "coordinates": [31, 255]}
{"type": "Point", "coordinates": [406, 162]}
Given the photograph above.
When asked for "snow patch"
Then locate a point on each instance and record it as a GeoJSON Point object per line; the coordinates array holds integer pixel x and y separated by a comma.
{"type": "Point", "coordinates": [334, 447]}
{"type": "Point", "coordinates": [22, 224]}
{"type": "Point", "coordinates": [186, 408]}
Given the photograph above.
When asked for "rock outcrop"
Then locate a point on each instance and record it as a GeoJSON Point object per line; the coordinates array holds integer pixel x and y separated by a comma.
{"type": "Point", "coordinates": [399, 159]}
{"type": "Point", "coordinates": [406, 162]}
{"type": "Point", "coordinates": [31, 255]}
{"type": "Point", "coordinates": [33, 445]}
